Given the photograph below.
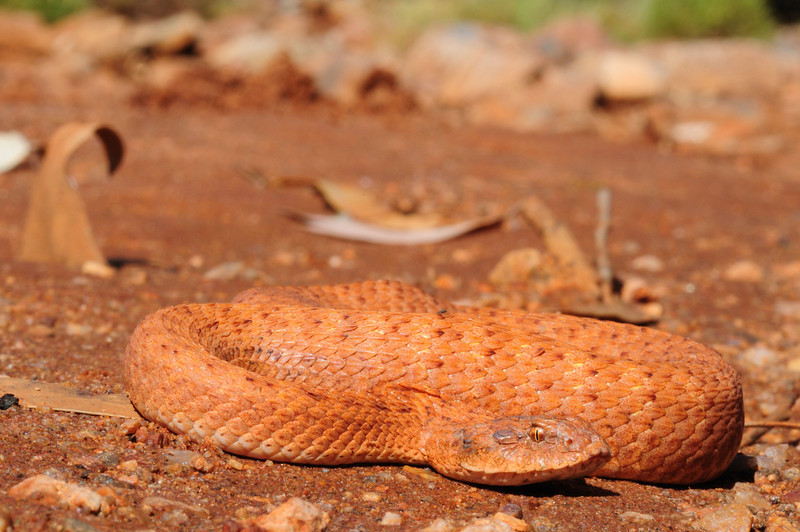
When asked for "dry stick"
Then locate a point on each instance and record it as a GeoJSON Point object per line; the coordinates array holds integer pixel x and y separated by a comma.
{"type": "Point", "coordinates": [605, 274]}
{"type": "Point", "coordinates": [773, 424]}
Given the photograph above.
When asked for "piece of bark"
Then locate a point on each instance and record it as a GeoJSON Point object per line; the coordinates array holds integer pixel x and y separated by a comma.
{"type": "Point", "coordinates": [57, 227]}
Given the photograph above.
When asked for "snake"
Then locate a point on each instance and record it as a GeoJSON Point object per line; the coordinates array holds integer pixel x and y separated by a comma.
{"type": "Point", "coordinates": [382, 372]}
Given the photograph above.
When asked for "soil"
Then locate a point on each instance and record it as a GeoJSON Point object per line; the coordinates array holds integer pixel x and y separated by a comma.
{"type": "Point", "coordinates": [181, 204]}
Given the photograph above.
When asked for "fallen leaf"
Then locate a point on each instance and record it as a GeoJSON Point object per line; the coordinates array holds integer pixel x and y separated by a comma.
{"type": "Point", "coordinates": [343, 226]}
{"type": "Point", "coordinates": [618, 311]}
{"type": "Point", "coordinates": [34, 394]}
{"type": "Point", "coordinates": [57, 227]}
{"type": "Point", "coordinates": [562, 246]}
{"type": "Point", "coordinates": [360, 205]}
{"type": "Point", "coordinates": [14, 148]}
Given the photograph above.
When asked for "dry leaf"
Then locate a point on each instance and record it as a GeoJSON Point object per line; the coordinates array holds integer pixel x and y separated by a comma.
{"type": "Point", "coordinates": [57, 227]}
{"type": "Point", "coordinates": [360, 205]}
{"type": "Point", "coordinates": [618, 311]}
{"type": "Point", "coordinates": [14, 148]}
{"type": "Point", "coordinates": [59, 397]}
{"type": "Point", "coordinates": [342, 226]}
{"type": "Point", "coordinates": [562, 245]}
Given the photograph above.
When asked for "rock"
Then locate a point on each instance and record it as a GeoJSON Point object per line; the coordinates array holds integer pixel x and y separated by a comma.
{"type": "Point", "coordinates": [161, 503]}
{"type": "Point", "coordinates": [636, 517]}
{"type": "Point", "coordinates": [744, 271]}
{"type": "Point", "coordinates": [439, 525]}
{"type": "Point", "coordinates": [77, 329]}
{"type": "Point", "coordinates": [750, 496]}
{"type": "Point", "coordinates": [461, 63]}
{"type": "Point", "coordinates": [778, 523]}
{"type": "Point", "coordinates": [250, 53]}
{"type": "Point", "coordinates": [516, 524]}
{"type": "Point", "coordinates": [629, 76]}
{"type": "Point", "coordinates": [759, 357]}
{"type": "Point", "coordinates": [648, 263]}
{"type": "Point", "coordinates": [294, 515]}
{"type": "Point", "coordinates": [49, 490]}
{"type": "Point", "coordinates": [167, 36]}
{"type": "Point", "coordinates": [97, 269]}
{"type": "Point", "coordinates": [346, 77]}
{"type": "Point", "coordinates": [514, 510]}
{"type": "Point", "coordinates": [561, 102]}
{"type": "Point", "coordinates": [96, 34]}
{"type": "Point", "coordinates": [486, 524]}
{"type": "Point", "coordinates": [517, 266]}
{"type": "Point", "coordinates": [225, 271]}
{"type": "Point", "coordinates": [391, 519]}
{"type": "Point", "coordinates": [72, 524]}
{"type": "Point", "coordinates": [23, 35]}
{"type": "Point", "coordinates": [719, 68]}
{"type": "Point", "coordinates": [740, 127]}
{"type": "Point", "coordinates": [774, 457]}
{"type": "Point", "coordinates": [734, 517]}
{"type": "Point", "coordinates": [788, 309]}
{"type": "Point", "coordinates": [371, 496]}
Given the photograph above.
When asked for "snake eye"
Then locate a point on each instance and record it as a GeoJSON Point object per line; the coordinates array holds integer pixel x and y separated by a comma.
{"type": "Point", "coordinates": [505, 436]}
{"type": "Point", "coordinates": [537, 434]}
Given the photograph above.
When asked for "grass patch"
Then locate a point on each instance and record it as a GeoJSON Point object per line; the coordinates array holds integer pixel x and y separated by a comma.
{"type": "Point", "coordinates": [50, 10]}
{"type": "Point", "coordinates": [627, 20]}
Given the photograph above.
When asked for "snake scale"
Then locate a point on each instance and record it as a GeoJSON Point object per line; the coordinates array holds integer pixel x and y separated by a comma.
{"type": "Point", "coordinates": [381, 372]}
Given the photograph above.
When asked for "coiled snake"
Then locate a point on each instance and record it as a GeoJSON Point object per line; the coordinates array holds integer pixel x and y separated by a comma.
{"type": "Point", "coordinates": [381, 372]}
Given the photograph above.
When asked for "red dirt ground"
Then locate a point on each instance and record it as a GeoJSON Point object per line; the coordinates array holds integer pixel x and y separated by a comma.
{"type": "Point", "coordinates": [179, 206]}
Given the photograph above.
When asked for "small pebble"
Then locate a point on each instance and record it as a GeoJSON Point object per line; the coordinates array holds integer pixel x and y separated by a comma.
{"type": "Point", "coordinates": [73, 524]}
{"type": "Point", "coordinates": [734, 517]}
{"type": "Point", "coordinates": [97, 269]}
{"type": "Point", "coordinates": [774, 457]}
{"type": "Point", "coordinates": [8, 401]}
{"type": "Point", "coordinates": [439, 525]}
{"type": "Point", "coordinates": [778, 523]}
{"type": "Point", "coordinates": [744, 271]}
{"type": "Point", "coordinates": [517, 266]}
{"type": "Point", "coordinates": [759, 356]}
{"type": "Point", "coordinates": [295, 514]}
{"type": "Point", "coordinates": [647, 263]}
{"type": "Point", "coordinates": [788, 309]}
{"type": "Point", "coordinates": [77, 329]}
{"type": "Point", "coordinates": [371, 496]}
{"type": "Point", "coordinates": [225, 271]}
{"type": "Point", "coordinates": [750, 496]}
{"type": "Point", "coordinates": [392, 519]}
{"type": "Point", "coordinates": [161, 503]}
{"type": "Point", "coordinates": [60, 493]}
{"type": "Point", "coordinates": [514, 510]}
{"type": "Point", "coordinates": [636, 517]}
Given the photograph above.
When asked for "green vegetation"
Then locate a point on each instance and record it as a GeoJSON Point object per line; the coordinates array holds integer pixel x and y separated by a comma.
{"type": "Point", "coordinates": [624, 19]}
{"type": "Point", "coordinates": [50, 10]}
{"type": "Point", "coordinates": [707, 18]}
{"type": "Point", "coordinates": [404, 19]}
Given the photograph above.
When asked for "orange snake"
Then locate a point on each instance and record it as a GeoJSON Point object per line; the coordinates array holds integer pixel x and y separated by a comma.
{"type": "Point", "coordinates": [381, 372]}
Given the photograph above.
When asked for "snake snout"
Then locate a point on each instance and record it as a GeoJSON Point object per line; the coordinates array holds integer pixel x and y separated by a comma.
{"type": "Point", "coordinates": [516, 450]}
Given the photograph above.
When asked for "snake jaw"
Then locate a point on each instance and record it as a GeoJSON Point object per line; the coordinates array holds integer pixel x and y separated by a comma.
{"type": "Point", "coordinates": [516, 450]}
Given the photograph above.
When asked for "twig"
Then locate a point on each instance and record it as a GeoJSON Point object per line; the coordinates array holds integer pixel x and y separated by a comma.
{"type": "Point", "coordinates": [605, 274]}
{"type": "Point", "coordinates": [773, 424]}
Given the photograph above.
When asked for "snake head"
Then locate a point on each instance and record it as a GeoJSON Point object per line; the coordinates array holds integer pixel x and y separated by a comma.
{"type": "Point", "coordinates": [515, 450]}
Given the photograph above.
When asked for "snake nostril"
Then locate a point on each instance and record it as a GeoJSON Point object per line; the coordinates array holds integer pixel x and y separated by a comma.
{"type": "Point", "coordinates": [505, 436]}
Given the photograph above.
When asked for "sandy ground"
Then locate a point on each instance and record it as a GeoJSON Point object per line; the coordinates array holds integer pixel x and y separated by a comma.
{"type": "Point", "coordinates": [180, 206]}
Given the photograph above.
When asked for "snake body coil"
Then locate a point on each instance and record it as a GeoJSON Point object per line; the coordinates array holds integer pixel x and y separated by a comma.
{"type": "Point", "coordinates": [381, 372]}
